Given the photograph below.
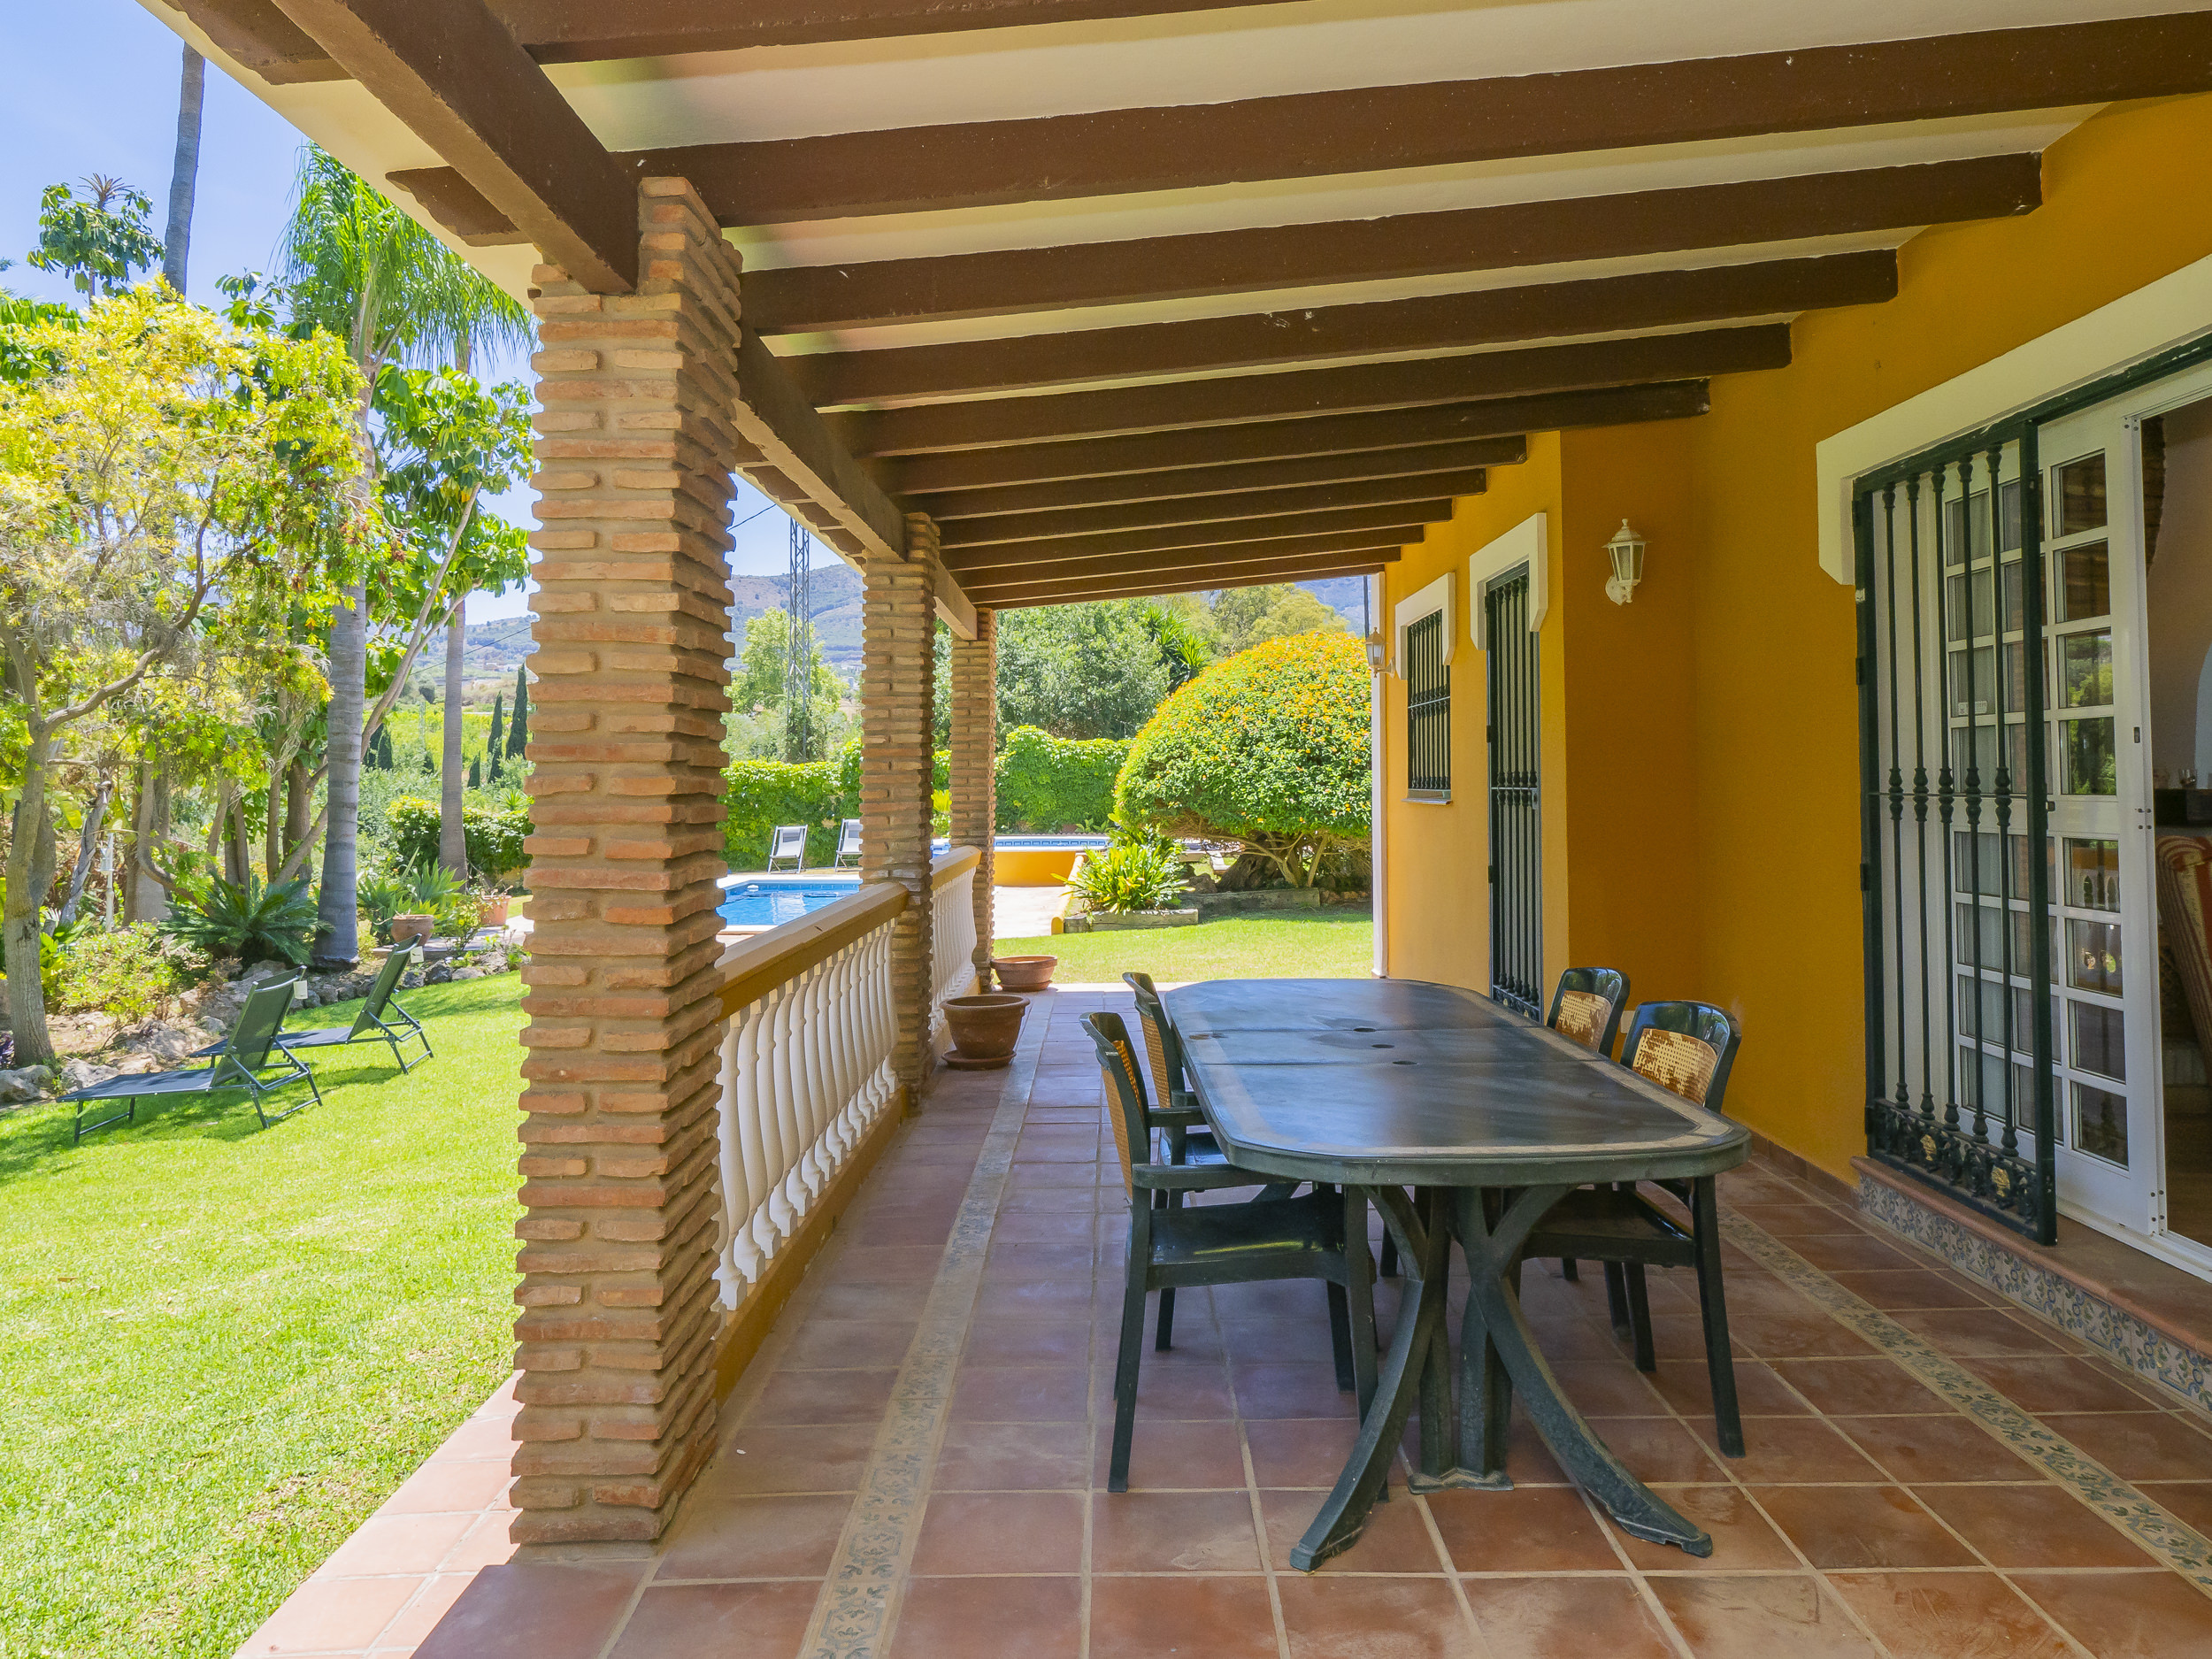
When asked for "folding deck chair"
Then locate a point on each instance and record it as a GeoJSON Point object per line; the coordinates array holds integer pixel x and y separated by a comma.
{"type": "Point", "coordinates": [847, 844]}
{"type": "Point", "coordinates": [789, 841]}
{"type": "Point", "coordinates": [369, 1025]}
{"type": "Point", "coordinates": [250, 1051]}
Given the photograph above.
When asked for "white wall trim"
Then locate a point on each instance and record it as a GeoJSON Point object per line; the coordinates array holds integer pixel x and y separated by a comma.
{"type": "Point", "coordinates": [2155, 317]}
{"type": "Point", "coordinates": [1378, 813]}
{"type": "Point", "coordinates": [1436, 596]}
{"type": "Point", "coordinates": [1527, 542]}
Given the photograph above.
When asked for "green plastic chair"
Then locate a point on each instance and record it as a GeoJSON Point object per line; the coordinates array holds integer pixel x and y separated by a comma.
{"type": "Point", "coordinates": [369, 1025]}
{"type": "Point", "coordinates": [1321, 1235]}
{"type": "Point", "coordinates": [251, 1053]}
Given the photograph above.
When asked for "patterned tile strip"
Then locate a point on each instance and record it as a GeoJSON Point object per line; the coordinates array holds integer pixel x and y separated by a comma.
{"type": "Point", "coordinates": [853, 1617]}
{"type": "Point", "coordinates": [2166, 1537]}
{"type": "Point", "coordinates": [2120, 1335]}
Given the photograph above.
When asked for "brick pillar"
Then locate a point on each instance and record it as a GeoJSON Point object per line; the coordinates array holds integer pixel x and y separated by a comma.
{"type": "Point", "coordinates": [974, 766]}
{"type": "Point", "coordinates": [898, 621]}
{"type": "Point", "coordinates": [616, 1338]}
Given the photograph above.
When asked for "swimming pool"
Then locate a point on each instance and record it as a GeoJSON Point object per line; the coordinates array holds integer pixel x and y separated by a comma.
{"type": "Point", "coordinates": [764, 901]}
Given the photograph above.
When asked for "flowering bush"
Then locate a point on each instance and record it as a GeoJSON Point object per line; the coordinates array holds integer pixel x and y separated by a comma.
{"type": "Point", "coordinates": [127, 973]}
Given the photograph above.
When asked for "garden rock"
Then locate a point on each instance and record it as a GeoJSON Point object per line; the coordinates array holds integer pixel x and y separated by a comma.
{"type": "Point", "coordinates": [30, 1083]}
{"type": "Point", "coordinates": [84, 1074]}
{"type": "Point", "coordinates": [468, 973]}
{"type": "Point", "coordinates": [161, 1043]}
{"type": "Point", "coordinates": [492, 962]}
{"type": "Point", "coordinates": [438, 975]}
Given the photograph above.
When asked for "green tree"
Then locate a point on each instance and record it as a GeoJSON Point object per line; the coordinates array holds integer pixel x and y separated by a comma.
{"type": "Point", "coordinates": [1080, 670]}
{"type": "Point", "coordinates": [359, 268]}
{"type": "Point", "coordinates": [98, 242]}
{"type": "Point", "coordinates": [1244, 616]}
{"type": "Point", "coordinates": [1268, 749]}
{"type": "Point", "coordinates": [165, 492]}
{"type": "Point", "coordinates": [519, 728]}
{"type": "Point", "coordinates": [493, 744]}
{"type": "Point", "coordinates": [759, 695]}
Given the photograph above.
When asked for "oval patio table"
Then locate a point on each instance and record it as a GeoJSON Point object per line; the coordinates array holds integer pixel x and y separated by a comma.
{"type": "Point", "coordinates": [1490, 1119]}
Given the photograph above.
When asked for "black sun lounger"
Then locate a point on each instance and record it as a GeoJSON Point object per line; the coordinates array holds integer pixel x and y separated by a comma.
{"type": "Point", "coordinates": [251, 1060]}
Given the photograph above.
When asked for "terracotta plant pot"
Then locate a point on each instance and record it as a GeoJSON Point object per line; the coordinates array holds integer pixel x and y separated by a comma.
{"type": "Point", "coordinates": [1024, 974]}
{"type": "Point", "coordinates": [495, 911]}
{"type": "Point", "coordinates": [984, 1030]}
{"type": "Point", "coordinates": [407, 929]}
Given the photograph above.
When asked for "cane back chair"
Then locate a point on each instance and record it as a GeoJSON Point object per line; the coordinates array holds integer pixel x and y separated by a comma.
{"type": "Point", "coordinates": [1586, 1006]}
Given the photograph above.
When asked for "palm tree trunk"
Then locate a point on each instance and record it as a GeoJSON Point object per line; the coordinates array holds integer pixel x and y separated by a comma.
{"type": "Point", "coordinates": [452, 839]}
{"type": "Point", "coordinates": [30, 876]}
{"type": "Point", "coordinates": [338, 941]}
{"type": "Point", "coordinates": [185, 173]}
{"type": "Point", "coordinates": [87, 849]}
{"type": "Point", "coordinates": [299, 800]}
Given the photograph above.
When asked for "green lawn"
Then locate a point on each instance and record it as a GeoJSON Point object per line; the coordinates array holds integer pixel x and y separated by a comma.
{"type": "Point", "coordinates": [223, 1346]}
{"type": "Point", "coordinates": [1309, 945]}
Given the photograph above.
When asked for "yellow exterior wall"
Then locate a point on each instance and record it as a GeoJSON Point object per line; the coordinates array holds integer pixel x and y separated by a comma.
{"type": "Point", "coordinates": [1710, 821]}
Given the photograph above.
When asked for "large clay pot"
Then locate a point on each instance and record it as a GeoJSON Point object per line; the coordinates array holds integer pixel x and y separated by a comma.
{"type": "Point", "coordinates": [1025, 973]}
{"type": "Point", "coordinates": [984, 1030]}
{"type": "Point", "coordinates": [493, 910]}
{"type": "Point", "coordinates": [407, 929]}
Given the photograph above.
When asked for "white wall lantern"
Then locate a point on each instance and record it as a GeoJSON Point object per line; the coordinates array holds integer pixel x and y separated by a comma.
{"type": "Point", "coordinates": [1627, 550]}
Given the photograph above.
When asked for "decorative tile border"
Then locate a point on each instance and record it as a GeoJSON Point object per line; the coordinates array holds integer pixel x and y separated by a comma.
{"type": "Point", "coordinates": [853, 1617]}
{"type": "Point", "coordinates": [2121, 1336]}
{"type": "Point", "coordinates": [2180, 1547]}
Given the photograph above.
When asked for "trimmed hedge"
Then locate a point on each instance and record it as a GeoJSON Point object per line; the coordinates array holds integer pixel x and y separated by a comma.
{"type": "Point", "coordinates": [1268, 747]}
{"type": "Point", "coordinates": [494, 837]}
{"type": "Point", "coordinates": [1046, 782]}
{"type": "Point", "coordinates": [758, 795]}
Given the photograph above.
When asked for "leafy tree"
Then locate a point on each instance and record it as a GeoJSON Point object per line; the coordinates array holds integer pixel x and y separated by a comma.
{"type": "Point", "coordinates": [98, 242]}
{"type": "Point", "coordinates": [492, 745]}
{"type": "Point", "coordinates": [165, 495]}
{"type": "Point", "coordinates": [1244, 616]}
{"type": "Point", "coordinates": [759, 697]}
{"type": "Point", "coordinates": [519, 728]}
{"type": "Point", "coordinates": [1080, 670]}
{"type": "Point", "coordinates": [1269, 749]}
{"type": "Point", "coordinates": [362, 270]}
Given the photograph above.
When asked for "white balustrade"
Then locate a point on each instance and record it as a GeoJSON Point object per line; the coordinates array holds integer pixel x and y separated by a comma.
{"type": "Point", "coordinates": [806, 1056]}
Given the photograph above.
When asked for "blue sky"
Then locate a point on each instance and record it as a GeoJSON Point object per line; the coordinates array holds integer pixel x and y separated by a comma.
{"type": "Point", "coordinates": [92, 87]}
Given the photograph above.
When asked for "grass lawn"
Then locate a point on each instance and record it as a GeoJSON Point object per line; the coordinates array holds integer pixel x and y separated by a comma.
{"type": "Point", "coordinates": [1295, 945]}
{"type": "Point", "coordinates": [223, 1346]}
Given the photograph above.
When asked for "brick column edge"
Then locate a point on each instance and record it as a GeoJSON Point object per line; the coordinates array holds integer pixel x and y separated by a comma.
{"type": "Point", "coordinates": [975, 769]}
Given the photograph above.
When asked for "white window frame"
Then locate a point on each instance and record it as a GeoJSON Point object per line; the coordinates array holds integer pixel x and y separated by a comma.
{"type": "Point", "coordinates": [1435, 598]}
{"type": "Point", "coordinates": [1527, 542]}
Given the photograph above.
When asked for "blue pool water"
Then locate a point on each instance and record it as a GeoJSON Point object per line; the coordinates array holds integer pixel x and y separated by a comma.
{"type": "Point", "coordinates": [760, 901]}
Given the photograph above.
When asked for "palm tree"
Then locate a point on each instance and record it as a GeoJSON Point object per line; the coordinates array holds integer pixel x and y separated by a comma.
{"type": "Point", "coordinates": [362, 269]}
{"type": "Point", "coordinates": [185, 172]}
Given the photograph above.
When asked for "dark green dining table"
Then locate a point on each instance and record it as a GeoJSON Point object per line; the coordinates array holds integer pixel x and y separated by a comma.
{"type": "Point", "coordinates": [1459, 1120]}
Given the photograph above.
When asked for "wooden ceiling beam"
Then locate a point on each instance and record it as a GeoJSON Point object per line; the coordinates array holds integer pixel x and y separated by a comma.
{"type": "Point", "coordinates": [1401, 520]}
{"type": "Point", "coordinates": [1370, 129]}
{"type": "Point", "coordinates": [1195, 580]}
{"type": "Point", "coordinates": [449, 70]}
{"type": "Point", "coordinates": [1371, 433]}
{"type": "Point", "coordinates": [1472, 456]}
{"type": "Point", "coordinates": [892, 376]}
{"type": "Point", "coordinates": [1640, 223]}
{"type": "Point", "coordinates": [1586, 365]}
{"type": "Point", "coordinates": [1030, 527]}
{"type": "Point", "coordinates": [1042, 573]}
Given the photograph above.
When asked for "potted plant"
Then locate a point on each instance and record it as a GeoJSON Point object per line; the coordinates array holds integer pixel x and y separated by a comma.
{"type": "Point", "coordinates": [985, 1029]}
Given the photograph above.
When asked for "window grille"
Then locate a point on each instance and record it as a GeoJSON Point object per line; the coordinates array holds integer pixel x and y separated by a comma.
{"type": "Point", "coordinates": [1515, 735]}
{"type": "Point", "coordinates": [1428, 711]}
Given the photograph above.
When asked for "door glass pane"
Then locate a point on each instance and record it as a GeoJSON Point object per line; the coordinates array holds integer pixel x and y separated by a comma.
{"type": "Point", "coordinates": [1955, 618]}
{"type": "Point", "coordinates": [2093, 875]}
{"type": "Point", "coordinates": [1957, 547]}
{"type": "Point", "coordinates": [1974, 682]}
{"type": "Point", "coordinates": [1979, 927]}
{"type": "Point", "coordinates": [2100, 1124]}
{"type": "Point", "coordinates": [2090, 761]}
{"type": "Point", "coordinates": [2016, 609]}
{"type": "Point", "coordinates": [2085, 583]}
{"type": "Point", "coordinates": [2092, 957]}
{"type": "Point", "coordinates": [2009, 518]}
{"type": "Point", "coordinates": [1978, 865]}
{"type": "Point", "coordinates": [2099, 1042]}
{"type": "Point", "coordinates": [2085, 670]}
{"type": "Point", "coordinates": [2079, 499]}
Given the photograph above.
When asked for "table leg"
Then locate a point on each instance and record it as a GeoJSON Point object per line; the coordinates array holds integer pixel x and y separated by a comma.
{"type": "Point", "coordinates": [1343, 1515]}
{"type": "Point", "coordinates": [1492, 1252]}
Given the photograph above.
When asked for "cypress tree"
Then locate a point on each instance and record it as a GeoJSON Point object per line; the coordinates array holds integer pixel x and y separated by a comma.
{"type": "Point", "coordinates": [499, 725]}
{"type": "Point", "coordinates": [428, 765]}
{"type": "Point", "coordinates": [518, 733]}
{"type": "Point", "coordinates": [476, 773]}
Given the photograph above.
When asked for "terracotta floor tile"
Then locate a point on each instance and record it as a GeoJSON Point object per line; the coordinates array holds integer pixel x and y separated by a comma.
{"type": "Point", "coordinates": [1296, 1304]}
{"type": "Point", "coordinates": [1270, 1341]}
{"type": "Point", "coordinates": [850, 1300]}
{"type": "Point", "coordinates": [885, 1264]}
{"type": "Point", "coordinates": [1530, 1529]}
{"type": "Point", "coordinates": [1860, 1253]}
{"type": "Point", "coordinates": [1396, 1539]}
{"type": "Point", "coordinates": [549, 1610]}
{"type": "Point", "coordinates": [1794, 1336]}
{"type": "Point", "coordinates": [823, 1397]}
{"type": "Point", "coordinates": [486, 1544]}
{"type": "Point", "coordinates": [1148, 1618]}
{"type": "Point", "coordinates": [1304, 1389]}
{"type": "Point", "coordinates": [461, 1484]}
{"type": "Point", "coordinates": [1169, 1391]}
{"type": "Point", "coordinates": [1790, 1449]}
{"type": "Point", "coordinates": [415, 1621]}
{"type": "Point", "coordinates": [1013, 1456]}
{"type": "Point", "coordinates": [1022, 1299]}
{"type": "Point", "coordinates": [2126, 1615]}
{"type": "Point", "coordinates": [1172, 1531]}
{"type": "Point", "coordinates": [327, 1613]}
{"type": "Point", "coordinates": [1915, 1287]}
{"type": "Point", "coordinates": [755, 1537]}
{"type": "Point", "coordinates": [1044, 1227]}
{"type": "Point", "coordinates": [1564, 1618]}
{"type": "Point", "coordinates": [1658, 1450]}
{"type": "Point", "coordinates": [1329, 1617]}
{"type": "Point", "coordinates": [2033, 1527]}
{"type": "Point", "coordinates": [1012, 1259]}
{"type": "Point", "coordinates": [731, 1621]}
{"type": "Point", "coordinates": [1950, 1615]}
{"type": "Point", "coordinates": [1864, 1526]}
{"type": "Point", "coordinates": [398, 1543]}
{"type": "Point", "coordinates": [1001, 1532]}
{"type": "Point", "coordinates": [850, 1345]}
{"type": "Point", "coordinates": [1299, 1451]}
{"type": "Point", "coordinates": [1613, 1388]}
{"type": "Point", "coordinates": [1687, 1387]}
{"type": "Point", "coordinates": [774, 1460]}
{"type": "Point", "coordinates": [1021, 1394]}
{"type": "Point", "coordinates": [1966, 1332]}
{"type": "Point", "coordinates": [1764, 1617]}
{"type": "Point", "coordinates": [1947, 1447]}
{"type": "Point", "coordinates": [2038, 1386]}
{"type": "Point", "coordinates": [2189, 1501]}
{"type": "Point", "coordinates": [965, 1619]}
{"type": "Point", "coordinates": [1742, 1541]}
{"type": "Point", "coordinates": [2137, 1446]}
{"type": "Point", "coordinates": [1795, 1221]}
{"type": "Point", "coordinates": [1027, 1342]}
{"type": "Point", "coordinates": [1167, 1453]}
{"type": "Point", "coordinates": [1860, 1387]}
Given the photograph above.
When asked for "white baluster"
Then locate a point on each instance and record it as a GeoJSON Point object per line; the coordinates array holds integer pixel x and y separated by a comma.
{"type": "Point", "coordinates": [757, 1132]}
{"type": "Point", "coordinates": [790, 1200]}
{"type": "Point", "coordinates": [731, 1273]}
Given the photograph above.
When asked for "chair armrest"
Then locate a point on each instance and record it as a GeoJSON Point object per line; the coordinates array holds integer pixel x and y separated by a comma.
{"type": "Point", "coordinates": [1187, 1177]}
{"type": "Point", "coordinates": [1175, 1117]}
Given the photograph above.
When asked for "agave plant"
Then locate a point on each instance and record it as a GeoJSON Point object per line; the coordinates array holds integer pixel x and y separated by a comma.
{"type": "Point", "coordinates": [382, 897]}
{"type": "Point", "coordinates": [251, 921]}
{"type": "Point", "coordinates": [1129, 878]}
